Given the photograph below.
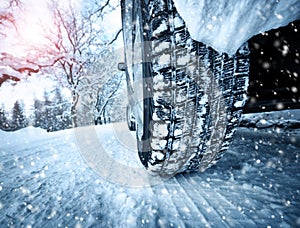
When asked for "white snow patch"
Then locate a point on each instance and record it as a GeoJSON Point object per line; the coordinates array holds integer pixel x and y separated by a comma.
{"type": "Point", "coordinates": [158, 144]}
{"type": "Point", "coordinates": [178, 132]}
{"type": "Point", "coordinates": [157, 155]}
{"type": "Point", "coordinates": [178, 22]}
{"type": "Point", "coordinates": [161, 28]}
{"type": "Point", "coordinates": [239, 104]}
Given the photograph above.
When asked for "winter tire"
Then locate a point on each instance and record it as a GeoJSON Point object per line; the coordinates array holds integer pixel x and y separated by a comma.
{"type": "Point", "coordinates": [191, 97]}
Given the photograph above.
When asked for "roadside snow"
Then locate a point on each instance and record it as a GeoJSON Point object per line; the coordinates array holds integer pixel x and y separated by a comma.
{"type": "Point", "coordinates": [226, 25]}
{"type": "Point", "coordinates": [287, 119]}
{"type": "Point", "coordinates": [44, 181]}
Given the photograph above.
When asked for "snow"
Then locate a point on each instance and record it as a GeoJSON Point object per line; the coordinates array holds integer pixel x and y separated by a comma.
{"type": "Point", "coordinates": [226, 25]}
{"type": "Point", "coordinates": [14, 66]}
{"type": "Point", "coordinates": [45, 181]}
{"type": "Point", "coordinates": [163, 27]}
{"type": "Point", "coordinates": [6, 70]}
{"type": "Point", "coordinates": [276, 119]}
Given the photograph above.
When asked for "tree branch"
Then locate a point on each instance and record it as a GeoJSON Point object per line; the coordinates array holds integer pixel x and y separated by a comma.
{"type": "Point", "coordinates": [116, 37]}
{"type": "Point", "coordinates": [6, 17]}
{"type": "Point", "coordinates": [6, 77]}
{"type": "Point", "coordinates": [101, 9]}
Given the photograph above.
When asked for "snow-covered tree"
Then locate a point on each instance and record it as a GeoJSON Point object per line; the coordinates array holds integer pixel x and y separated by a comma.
{"type": "Point", "coordinates": [4, 122]}
{"type": "Point", "coordinates": [38, 116]}
{"type": "Point", "coordinates": [100, 77]}
{"type": "Point", "coordinates": [6, 15]}
{"type": "Point", "coordinates": [110, 101]}
{"type": "Point", "coordinates": [60, 110]}
{"type": "Point", "coordinates": [75, 43]}
{"type": "Point", "coordinates": [19, 119]}
{"type": "Point", "coordinates": [50, 113]}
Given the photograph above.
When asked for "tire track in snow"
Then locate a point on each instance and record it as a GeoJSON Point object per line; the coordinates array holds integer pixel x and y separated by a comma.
{"type": "Point", "coordinates": [230, 213]}
{"type": "Point", "coordinates": [205, 202]}
{"type": "Point", "coordinates": [190, 212]}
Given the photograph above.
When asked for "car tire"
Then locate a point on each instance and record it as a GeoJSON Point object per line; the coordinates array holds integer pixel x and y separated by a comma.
{"type": "Point", "coordinates": [192, 99]}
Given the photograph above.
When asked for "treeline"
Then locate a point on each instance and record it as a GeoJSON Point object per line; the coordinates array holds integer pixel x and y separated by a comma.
{"type": "Point", "coordinates": [50, 113]}
{"type": "Point", "coordinates": [17, 120]}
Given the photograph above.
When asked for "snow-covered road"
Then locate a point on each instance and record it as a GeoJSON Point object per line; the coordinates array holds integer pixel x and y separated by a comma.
{"type": "Point", "coordinates": [45, 182]}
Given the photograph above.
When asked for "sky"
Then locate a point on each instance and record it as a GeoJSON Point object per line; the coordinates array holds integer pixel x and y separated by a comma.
{"type": "Point", "coordinates": [34, 15]}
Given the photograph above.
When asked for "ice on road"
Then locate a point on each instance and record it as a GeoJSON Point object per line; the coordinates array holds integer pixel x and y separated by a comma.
{"type": "Point", "coordinates": [45, 182]}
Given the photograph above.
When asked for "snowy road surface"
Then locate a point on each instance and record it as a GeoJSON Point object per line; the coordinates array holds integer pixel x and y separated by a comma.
{"type": "Point", "coordinates": [44, 182]}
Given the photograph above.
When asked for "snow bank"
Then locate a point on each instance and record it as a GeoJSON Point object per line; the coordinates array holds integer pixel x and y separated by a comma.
{"type": "Point", "coordinates": [25, 131]}
{"type": "Point", "coordinates": [22, 136]}
{"type": "Point", "coordinates": [226, 25]}
{"type": "Point", "coordinates": [288, 119]}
